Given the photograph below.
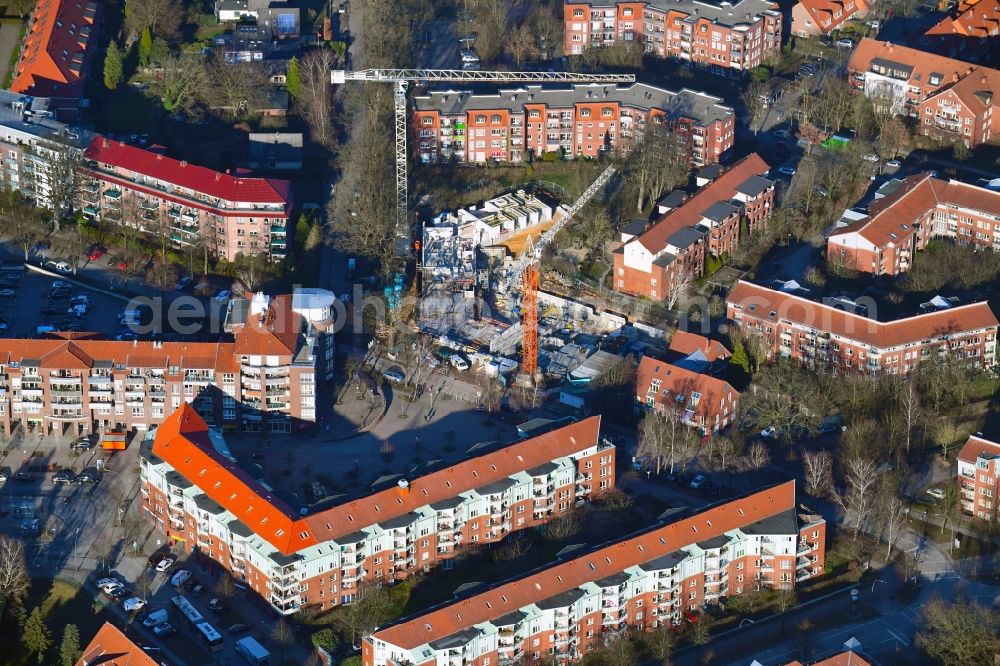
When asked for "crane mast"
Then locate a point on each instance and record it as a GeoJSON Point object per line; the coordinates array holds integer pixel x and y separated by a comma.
{"type": "Point", "coordinates": [400, 78]}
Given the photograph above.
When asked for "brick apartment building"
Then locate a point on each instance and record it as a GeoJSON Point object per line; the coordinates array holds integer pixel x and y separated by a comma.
{"type": "Point", "coordinates": [265, 380]}
{"type": "Point", "coordinates": [230, 214]}
{"type": "Point", "coordinates": [57, 52]}
{"type": "Point", "coordinates": [829, 338]}
{"type": "Point", "coordinates": [951, 100]}
{"type": "Point", "coordinates": [922, 208]}
{"type": "Point", "coordinates": [683, 388]}
{"type": "Point", "coordinates": [582, 121]}
{"type": "Point", "coordinates": [110, 647]}
{"type": "Point", "coordinates": [978, 474]}
{"type": "Point", "coordinates": [660, 577]}
{"type": "Point", "coordinates": [722, 36]}
{"type": "Point", "coordinates": [709, 223]}
{"type": "Point", "coordinates": [194, 492]}
{"type": "Point", "coordinates": [969, 32]}
{"type": "Point", "coordinates": [812, 18]}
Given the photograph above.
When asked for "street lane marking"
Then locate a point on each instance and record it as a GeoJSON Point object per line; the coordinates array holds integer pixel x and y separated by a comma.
{"type": "Point", "coordinates": [898, 637]}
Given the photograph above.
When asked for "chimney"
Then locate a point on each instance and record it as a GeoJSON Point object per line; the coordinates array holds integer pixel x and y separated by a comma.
{"type": "Point", "coordinates": [404, 487]}
{"type": "Point", "coordinates": [159, 156]}
{"type": "Point", "coordinates": [184, 163]}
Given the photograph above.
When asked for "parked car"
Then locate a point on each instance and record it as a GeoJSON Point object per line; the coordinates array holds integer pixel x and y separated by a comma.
{"type": "Point", "coordinates": [4, 474]}
{"type": "Point", "coordinates": [217, 606]}
{"type": "Point", "coordinates": [96, 252]}
{"type": "Point", "coordinates": [123, 264]}
{"type": "Point", "coordinates": [936, 493]}
{"type": "Point", "coordinates": [844, 43]}
{"type": "Point", "coordinates": [133, 604]}
{"type": "Point", "coordinates": [41, 246]}
{"type": "Point", "coordinates": [180, 578]}
{"type": "Point", "coordinates": [893, 164]}
{"type": "Point", "coordinates": [166, 563]}
{"type": "Point", "coordinates": [697, 481]}
{"type": "Point", "coordinates": [89, 475]}
{"type": "Point", "coordinates": [155, 617]}
{"type": "Point", "coordinates": [183, 283]}
{"type": "Point", "coordinates": [394, 374]}
{"type": "Point", "coordinates": [22, 477]}
{"type": "Point", "coordinates": [768, 432]}
{"type": "Point", "coordinates": [8, 293]}
{"type": "Point", "coordinates": [105, 582]}
{"type": "Point", "coordinates": [197, 590]}
{"type": "Point", "coordinates": [787, 170]}
{"type": "Point", "coordinates": [781, 133]}
{"type": "Point", "coordinates": [63, 476]}
{"type": "Point", "coordinates": [163, 630]}
{"type": "Point", "coordinates": [870, 157]}
{"type": "Point", "coordinates": [116, 593]}
{"type": "Point", "coordinates": [223, 295]}
{"type": "Point", "coordinates": [459, 363]}
{"type": "Point", "coordinates": [238, 628]}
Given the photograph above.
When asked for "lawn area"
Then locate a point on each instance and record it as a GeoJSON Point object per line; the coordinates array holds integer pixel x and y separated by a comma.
{"type": "Point", "coordinates": [62, 602]}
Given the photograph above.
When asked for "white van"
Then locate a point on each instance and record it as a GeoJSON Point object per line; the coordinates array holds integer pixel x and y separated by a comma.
{"type": "Point", "coordinates": [253, 652]}
{"type": "Point", "coordinates": [156, 617]}
{"type": "Point", "coordinates": [458, 363]}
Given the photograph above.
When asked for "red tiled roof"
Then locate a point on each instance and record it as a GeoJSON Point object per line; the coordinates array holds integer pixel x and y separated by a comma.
{"type": "Point", "coordinates": [110, 647]}
{"type": "Point", "coordinates": [277, 334]}
{"type": "Point", "coordinates": [82, 353]}
{"type": "Point", "coordinates": [509, 597]}
{"type": "Point", "coordinates": [855, 327]}
{"type": "Point", "coordinates": [976, 446]}
{"type": "Point", "coordinates": [682, 382]}
{"type": "Point", "coordinates": [972, 18]}
{"type": "Point", "coordinates": [847, 658]}
{"type": "Point", "coordinates": [821, 10]}
{"type": "Point", "coordinates": [53, 57]}
{"type": "Point", "coordinates": [919, 194]}
{"type": "Point", "coordinates": [181, 442]}
{"type": "Point", "coordinates": [690, 213]}
{"type": "Point", "coordinates": [189, 176]}
{"type": "Point", "coordinates": [687, 343]}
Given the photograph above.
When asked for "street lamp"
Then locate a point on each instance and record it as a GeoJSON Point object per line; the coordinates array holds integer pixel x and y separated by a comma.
{"type": "Point", "coordinates": [77, 548]}
{"type": "Point", "coordinates": [877, 580]}
{"type": "Point", "coordinates": [746, 619]}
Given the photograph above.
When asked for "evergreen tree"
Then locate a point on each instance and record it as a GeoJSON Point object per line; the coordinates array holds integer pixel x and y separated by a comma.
{"type": "Point", "coordinates": [69, 650]}
{"type": "Point", "coordinates": [37, 639]}
{"type": "Point", "coordinates": [740, 363]}
{"type": "Point", "coordinates": [113, 68]}
{"type": "Point", "coordinates": [315, 237]}
{"type": "Point", "coordinates": [145, 46]}
{"type": "Point", "coordinates": [293, 79]}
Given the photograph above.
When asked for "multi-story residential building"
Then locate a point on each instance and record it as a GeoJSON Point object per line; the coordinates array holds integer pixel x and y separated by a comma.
{"type": "Point", "coordinates": [830, 338]}
{"type": "Point", "coordinates": [951, 100]}
{"type": "Point", "coordinates": [710, 222]}
{"type": "Point", "coordinates": [969, 32]}
{"type": "Point", "coordinates": [811, 18]}
{"type": "Point", "coordinates": [658, 578]}
{"type": "Point", "coordinates": [722, 36]}
{"type": "Point", "coordinates": [32, 140]}
{"type": "Point", "coordinates": [582, 121]}
{"type": "Point", "coordinates": [229, 215]}
{"type": "Point", "coordinates": [978, 475]}
{"type": "Point", "coordinates": [265, 380]}
{"type": "Point", "coordinates": [884, 241]}
{"type": "Point", "coordinates": [110, 647]}
{"type": "Point", "coordinates": [57, 52]}
{"type": "Point", "coordinates": [196, 493]}
{"type": "Point", "coordinates": [684, 390]}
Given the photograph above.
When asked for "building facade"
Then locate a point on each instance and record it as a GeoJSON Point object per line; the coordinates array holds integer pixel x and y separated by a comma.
{"type": "Point", "coordinates": [57, 52]}
{"type": "Point", "coordinates": [724, 37]}
{"type": "Point", "coordinates": [265, 380]}
{"type": "Point", "coordinates": [978, 473]}
{"type": "Point", "coordinates": [582, 121]}
{"type": "Point", "coordinates": [951, 100]}
{"type": "Point", "coordinates": [659, 578]}
{"type": "Point", "coordinates": [683, 390]}
{"type": "Point", "coordinates": [829, 338]}
{"type": "Point", "coordinates": [196, 493]}
{"type": "Point", "coordinates": [885, 240]}
{"type": "Point", "coordinates": [673, 250]}
{"type": "Point", "coordinates": [195, 206]}
{"type": "Point", "coordinates": [812, 18]}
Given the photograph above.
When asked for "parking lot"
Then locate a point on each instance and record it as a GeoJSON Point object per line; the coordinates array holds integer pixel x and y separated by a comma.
{"type": "Point", "coordinates": [32, 304]}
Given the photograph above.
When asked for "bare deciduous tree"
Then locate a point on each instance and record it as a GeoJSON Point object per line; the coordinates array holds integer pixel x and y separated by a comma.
{"type": "Point", "coordinates": [14, 581]}
{"type": "Point", "coordinates": [181, 82]}
{"type": "Point", "coordinates": [239, 89]}
{"type": "Point", "coordinates": [564, 526]}
{"type": "Point", "coordinates": [856, 499]}
{"type": "Point", "coordinates": [818, 468]}
{"type": "Point", "coordinates": [679, 287]}
{"type": "Point", "coordinates": [660, 435]}
{"type": "Point", "coordinates": [522, 45]}
{"type": "Point", "coordinates": [315, 96]}
{"type": "Point", "coordinates": [162, 17]}
{"type": "Point", "coordinates": [910, 410]}
{"type": "Point", "coordinates": [757, 456]}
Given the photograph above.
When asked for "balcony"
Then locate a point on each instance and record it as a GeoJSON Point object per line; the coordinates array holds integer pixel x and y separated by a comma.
{"type": "Point", "coordinates": [113, 194]}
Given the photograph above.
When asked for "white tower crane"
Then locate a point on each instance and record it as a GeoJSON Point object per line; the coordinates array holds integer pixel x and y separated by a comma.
{"type": "Point", "coordinates": [400, 78]}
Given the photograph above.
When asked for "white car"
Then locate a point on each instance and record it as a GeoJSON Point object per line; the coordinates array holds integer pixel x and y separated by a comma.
{"type": "Point", "coordinates": [870, 157]}
{"type": "Point", "coordinates": [81, 299]}
{"type": "Point", "coordinates": [180, 578]}
{"type": "Point", "coordinates": [894, 164]}
{"type": "Point", "coordinates": [133, 604]}
{"type": "Point", "coordinates": [936, 493]}
{"type": "Point", "coordinates": [845, 43]}
{"type": "Point", "coordinates": [768, 432]}
{"type": "Point", "coordinates": [459, 363]}
{"type": "Point", "coordinates": [108, 582]}
{"type": "Point", "coordinates": [165, 564]}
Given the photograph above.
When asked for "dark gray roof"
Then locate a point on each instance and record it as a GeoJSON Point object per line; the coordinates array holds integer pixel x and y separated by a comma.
{"type": "Point", "coordinates": [674, 199]}
{"type": "Point", "coordinates": [543, 469]}
{"type": "Point", "coordinates": [560, 600]}
{"type": "Point", "coordinates": [509, 618]}
{"type": "Point", "coordinates": [715, 11]}
{"type": "Point", "coordinates": [719, 211]}
{"type": "Point", "coordinates": [613, 580]}
{"type": "Point", "coordinates": [284, 560]}
{"type": "Point", "coordinates": [892, 64]}
{"type": "Point", "coordinates": [206, 503]}
{"type": "Point", "coordinates": [239, 528]}
{"type": "Point", "coordinates": [455, 640]}
{"type": "Point", "coordinates": [714, 542]}
{"type": "Point", "coordinates": [754, 185]}
{"type": "Point", "coordinates": [664, 259]}
{"type": "Point", "coordinates": [635, 227]}
{"type": "Point", "coordinates": [353, 537]}
{"type": "Point", "coordinates": [450, 503]}
{"type": "Point", "coordinates": [712, 171]}
{"type": "Point", "coordinates": [783, 523]}
{"type": "Point", "coordinates": [685, 237]}
{"type": "Point", "coordinates": [496, 487]}
{"type": "Point", "coordinates": [175, 478]}
{"type": "Point", "coordinates": [399, 521]}
{"type": "Point", "coordinates": [687, 103]}
{"type": "Point", "coordinates": [668, 561]}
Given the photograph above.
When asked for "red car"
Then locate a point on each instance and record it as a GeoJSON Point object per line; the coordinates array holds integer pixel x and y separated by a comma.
{"type": "Point", "coordinates": [123, 264]}
{"type": "Point", "coordinates": [96, 252]}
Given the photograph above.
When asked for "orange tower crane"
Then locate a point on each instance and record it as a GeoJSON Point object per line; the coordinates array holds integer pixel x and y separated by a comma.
{"type": "Point", "coordinates": [525, 273]}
